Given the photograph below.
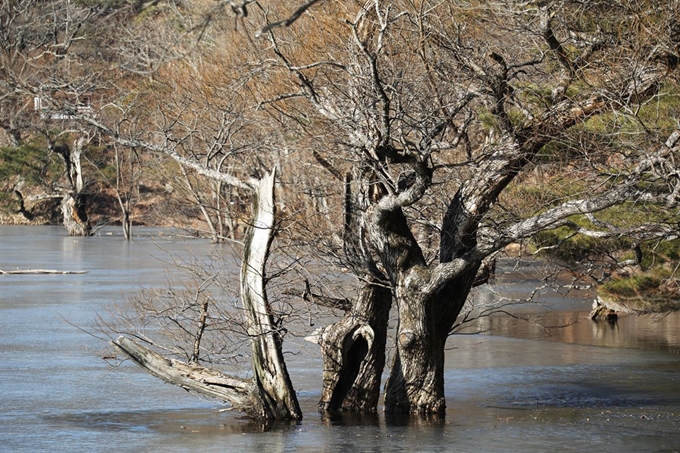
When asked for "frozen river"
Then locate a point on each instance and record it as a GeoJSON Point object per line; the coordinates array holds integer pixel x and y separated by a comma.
{"type": "Point", "coordinates": [586, 387]}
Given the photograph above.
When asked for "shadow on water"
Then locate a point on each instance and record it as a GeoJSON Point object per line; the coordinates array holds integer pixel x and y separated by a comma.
{"type": "Point", "coordinates": [181, 421]}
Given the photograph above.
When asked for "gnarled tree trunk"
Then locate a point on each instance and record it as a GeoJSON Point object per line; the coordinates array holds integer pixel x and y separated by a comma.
{"type": "Point", "coordinates": [353, 349]}
{"type": "Point", "coordinates": [73, 208]}
{"type": "Point", "coordinates": [416, 382]}
{"type": "Point", "coordinates": [74, 202]}
{"type": "Point", "coordinates": [353, 352]}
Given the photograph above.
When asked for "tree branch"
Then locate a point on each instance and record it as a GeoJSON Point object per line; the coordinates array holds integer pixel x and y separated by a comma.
{"type": "Point", "coordinates": [171, 152]}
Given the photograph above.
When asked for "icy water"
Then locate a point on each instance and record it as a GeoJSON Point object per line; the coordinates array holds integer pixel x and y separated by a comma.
{"type": "Point", "coordinates": [522, 387]}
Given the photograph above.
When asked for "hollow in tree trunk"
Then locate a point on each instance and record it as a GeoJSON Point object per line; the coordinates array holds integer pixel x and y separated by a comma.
{"type": "Point", "coordinates": [73, 208]}
{"type": "Point", "coordinates": [74, 202]}
{"type": "Point", "coordinates": [353, 352]}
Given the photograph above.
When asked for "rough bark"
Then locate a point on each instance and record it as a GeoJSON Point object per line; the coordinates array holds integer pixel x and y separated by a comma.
{"type": "Point", "coordinates": [74, 202]}
{"type": "Point", "coordinates": [429, 298]}
{"type": "Point", "coordinates": [353, 352]}
{"type": "Point", "coordinates": [240, 393]}
{"type": "Point", "coordinates": [426, 314]}
{"type": "Point", "coordinates": [353, 349]}
{"type": "Point", "coordinates": [73, 209]}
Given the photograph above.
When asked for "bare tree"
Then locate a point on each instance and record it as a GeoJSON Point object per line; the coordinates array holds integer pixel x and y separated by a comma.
{"type": "Point", "coordinates": [52, 71]}
{"type": "Point", "coordinates": [435, 122]}
{"type": "Point", "coordinates": [437, 112]}
{"type": "Point", "coordinates": [269, 395]}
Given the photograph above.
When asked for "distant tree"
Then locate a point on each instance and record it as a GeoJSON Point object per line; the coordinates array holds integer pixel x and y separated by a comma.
{"type": "Point", "coordinates": [51, 71]}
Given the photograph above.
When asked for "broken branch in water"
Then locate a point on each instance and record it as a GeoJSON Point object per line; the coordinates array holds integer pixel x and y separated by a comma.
{"type": "Point", "coordinates": [40, 271]}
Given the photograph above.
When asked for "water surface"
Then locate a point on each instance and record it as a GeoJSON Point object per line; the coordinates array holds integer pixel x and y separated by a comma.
{"type": "Point", "coordinates": [522, 386]}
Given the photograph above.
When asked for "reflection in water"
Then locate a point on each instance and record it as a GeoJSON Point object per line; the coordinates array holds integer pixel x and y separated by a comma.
{"type": "Point", "coordinates": [629, 331]}
{"type": "Point", "coordinates": [349, 419]}
{"type": "Point", "coordinates": [524, 386]}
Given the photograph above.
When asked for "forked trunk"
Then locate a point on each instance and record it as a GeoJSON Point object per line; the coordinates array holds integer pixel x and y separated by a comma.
{"type": "Point", "coordinates": [353, 352]}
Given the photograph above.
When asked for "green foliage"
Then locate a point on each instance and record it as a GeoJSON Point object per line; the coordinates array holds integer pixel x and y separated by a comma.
{"type": "Point", "coordinates": [565, 245]}
{"type": "Point", "coordinates": [529, 197]}
{"type": "Point", "coordinates": [26, 167]}
{"type": "Point", "coordinates": [29, 162]}
{"type": "Point", "coordinates": [635, 285]}
{"type": "Point", "coordinates": [562, 244]}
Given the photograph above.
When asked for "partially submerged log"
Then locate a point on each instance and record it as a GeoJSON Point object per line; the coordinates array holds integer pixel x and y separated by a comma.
{"type": "Point", "coordinates": [240, 393]}
{"type": "Point", "coordinates": [639, 305]}
{"type": "Point", "coordinates": [602, 312]}
{"type": "Point", "coordinates": [40, 271]}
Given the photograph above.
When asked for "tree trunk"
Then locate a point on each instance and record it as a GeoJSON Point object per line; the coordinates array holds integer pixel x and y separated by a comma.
{"type": "Point", "coordinates": [271, 376]}
{"type": "Point", "coordinates": [198, 199]}
{"type": "Point", "coordinates": [73, 208]}
{"type": "Point", "coordinates": [125, 209]}
{"type": "Point", "coordinates": [124, 199]}
{"type": "Point", "coordinates": [353, 352]}
{"type": "Point", "coordinates": [127, 225]}
{"type": "Point", "coordinates": [416, 382]}
{"type": "Point", "coordinates": [270, 394]}
{"type": "Point", "coordinates": [74, 202]}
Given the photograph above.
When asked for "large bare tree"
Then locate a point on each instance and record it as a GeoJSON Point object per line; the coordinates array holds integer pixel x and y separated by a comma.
{"type": "Point", "coordinates": [433, 134]}
{"type": "Point", "coordinates": [438, 113]}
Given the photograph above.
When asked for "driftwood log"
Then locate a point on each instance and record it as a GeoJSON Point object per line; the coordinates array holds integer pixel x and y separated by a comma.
{"type": "Point", "coordinates": [39, 271]}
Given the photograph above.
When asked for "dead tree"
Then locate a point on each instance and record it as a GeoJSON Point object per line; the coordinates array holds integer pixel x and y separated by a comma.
{"type": "Point", "coordinates": [269, 395]}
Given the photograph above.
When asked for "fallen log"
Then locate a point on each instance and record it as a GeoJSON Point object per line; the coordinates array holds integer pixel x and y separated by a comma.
{"type": "Point", "coordinates": [240, 393]}
{"type": "Point", "coordinates": [39, 271]}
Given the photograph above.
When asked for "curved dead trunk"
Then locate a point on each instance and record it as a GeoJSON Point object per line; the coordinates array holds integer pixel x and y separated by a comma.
{"type": "Point", "coordinates": [270, 394]}
{"type": "Point", "coordinates": [353, 352]}
{"type": "Point", "coordinates": [271, 375]}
